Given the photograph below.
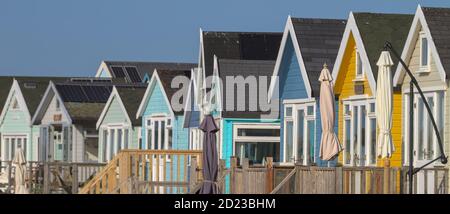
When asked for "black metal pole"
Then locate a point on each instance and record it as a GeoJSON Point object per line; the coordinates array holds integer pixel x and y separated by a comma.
{"type": "Point", "coordinates": [413, 82]}
{"type": "Point", "coordinates": [411, 137]}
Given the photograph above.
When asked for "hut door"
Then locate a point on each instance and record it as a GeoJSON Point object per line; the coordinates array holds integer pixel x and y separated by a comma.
{"type": "Point", "coordinates": [158, 143]}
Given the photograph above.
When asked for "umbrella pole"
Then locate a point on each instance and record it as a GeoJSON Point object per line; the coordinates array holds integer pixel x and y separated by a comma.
{"type": "Point", "coordinates": [411, 136]}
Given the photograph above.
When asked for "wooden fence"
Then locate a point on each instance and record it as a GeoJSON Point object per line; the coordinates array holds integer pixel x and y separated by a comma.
{"type": "Point", "coordinates": [148, 171]}
{"type": "Point", "coordinates": [279, 179]}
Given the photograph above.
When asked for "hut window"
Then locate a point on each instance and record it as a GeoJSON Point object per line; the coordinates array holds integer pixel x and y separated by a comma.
{"type": "Point", "coordinates": [424, 52]}
{"type": "Point", "coordinates": [300, 132]}
{"type": "Point", "coordinates": [359, 66]}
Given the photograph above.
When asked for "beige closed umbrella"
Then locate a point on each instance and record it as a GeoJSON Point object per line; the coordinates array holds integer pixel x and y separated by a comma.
{"type": "Point", "coordinates": [384, 95]}
{"type": "Point", "coordinates": [19, 163]}
{"type": "Point", "coordinates": [329, 145]}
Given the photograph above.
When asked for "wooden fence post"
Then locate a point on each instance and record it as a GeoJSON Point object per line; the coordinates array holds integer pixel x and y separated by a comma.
{"type": "Point", "coordinates": [124, 170]}
{"type": "Point", "coordinates": [269, 174]}
{"type": "Point", "coordinates": [30, 176]}
{"type": "Point", "coordinates": [193, 175]}
{"type": "Point", "coordinates": [221, 178]}
{"type": "Point", "coordinates": [46, 178]}
{"type": "Point", "coordinates": [386, 179]}
{"type": "Point", "coordinates": [245, 176]}
{"type": "Point", "coordinates": [339, 180]}
{"type": "Point", "coordinates": [233, 175]}
{"type": "Point", "coordinates": [74, 178]}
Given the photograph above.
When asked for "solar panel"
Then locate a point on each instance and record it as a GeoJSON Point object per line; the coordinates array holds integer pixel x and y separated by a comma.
{"type": "Point", "coordinates": [133, 74]}
{"type": "Point", "coordinates": [71, 93]}
{"type": "Point", "coordinates": [118, 71]}
{"type": "Point", "coordinates": [97, 93]}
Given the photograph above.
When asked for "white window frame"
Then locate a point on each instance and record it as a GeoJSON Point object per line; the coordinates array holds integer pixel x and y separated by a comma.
{"type": "Point", "coordinates": [15, 136]}
{"type": "Point", "coordinates": [424, 68]}
{"type": "Point", "coordinates": [250, 139]}
{"type": "Point", "coordinates": [351, 103]}
{"type": "Point", "coordinates": [358, 61]}
{"type": "Point", "coordinates": [115, 147]}
{"type": "Point", "coordinates": [293, 118]}
{"type": "Point", "coordinates": [435, 109]}
{"type": "Point", "coordinates": [168, 126]}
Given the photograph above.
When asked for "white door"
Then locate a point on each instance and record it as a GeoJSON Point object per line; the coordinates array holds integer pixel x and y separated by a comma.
{"type": "Point", "coordinates": [425, 140]}
{"type": "Point", "coordinates": [158, 143]}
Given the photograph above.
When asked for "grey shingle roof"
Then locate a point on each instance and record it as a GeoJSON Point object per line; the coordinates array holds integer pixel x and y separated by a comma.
{"type": "Point", "coordinates": [166, 77]}
{"type": "Point", "coordinates": [438, 20]}
{"type": "Point", "coordinates": [131, 98]}
{"type": "Point", "coordinates": [377, 28]}
{"type": "Point", "coordinates": [245, 68]}
{"type": "Point", "coordinates": [239, 45]}
{"type": "Point", "coordinates": [33, 89]}
{"type": "Point", "coordinates": [5, 85]}
{"type": "Point", "coordinates": [319, 41]}
{"type": "Point", "coordinates": [148, 67]}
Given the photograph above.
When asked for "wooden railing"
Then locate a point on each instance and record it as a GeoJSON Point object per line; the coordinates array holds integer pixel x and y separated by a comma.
{"type": "Point", "coordinates": [427, 181]}
{"type": "Point", "coordinates": [62, 177]}
{"type": "Point", "coordinates": [148, 171]}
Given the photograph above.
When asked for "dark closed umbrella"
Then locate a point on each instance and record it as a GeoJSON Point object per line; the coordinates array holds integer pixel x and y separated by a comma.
{"type": "Point", "coordinates": [210, 157]}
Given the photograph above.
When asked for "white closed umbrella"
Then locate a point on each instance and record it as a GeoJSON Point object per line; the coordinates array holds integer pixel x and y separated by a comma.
{"type": "Point", "coordinates": [19, 163]}
{"type": "Point", "coordinates": [329, 145]}
{"type": "Point", "coordinates": [384, 100]}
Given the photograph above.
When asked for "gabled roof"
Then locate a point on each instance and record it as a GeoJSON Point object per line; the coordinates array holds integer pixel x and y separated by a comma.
{"type": "Point", "coordinates": [319, 41]}
{"type": "Point", "coordinates": [5, 86]}
{"type": "Point", "coordinates": [244, 68]}
{"type": "Point", "coordinates": [316, 41]}
{"type": "Point", "coordinates": [164, 78]}
{"type": "Point", "coordinates": [238, 45]}
{"type": "Point", "coordinates": [33, 89]}
{"type": "Point", "coordinates": [143, 68]}
{"type": "Point", "coordinates": [377, 28]}
{"type": "Point", "coordinates": [371, 31]}
{"type": "Point", "coordinates": [438, 21]}
{"type": "Point", "coordinates": [131, 97]}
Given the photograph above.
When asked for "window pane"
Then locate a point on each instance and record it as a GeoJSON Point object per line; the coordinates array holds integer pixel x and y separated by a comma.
{"type": "Point", "coordinates": [288, 111]}
{"type": "Point", "coordinates": [310, 110]}
{"type": "Point", "coordinates": [126, 138]}
{"type": "Point", "coordinates": [421, 129]}
{"type": "Point", "coordinates": [149, 139]}
{"type": "Point", "coordinates": [355, 131]}
{"type": "Point", "coordinates": [259, 132]}
{"type": "Point", "coordinates": [66, 143]}
{"type": "Point", "coordinates": [300, 135]}
{"type": "Point", "coordinates": [256, 152]}
{"type": "Point", "coordinates": [170, 139]}
{"type": "Point", "coordinates": [430, 136]}
{"type": "Point", "coordinates": [347, 130]}
{"type": "Point", "coordinates": [163, 135]}
{"type": "Point", "coordinates": [363, 136]}
{"type": "Point", "coordinates": [156, 134]}
{"type": "Point", "coordinates": [7, 152]}
{"type": "Point", "coordinates": [289, 140]}
{"type": "Point", "coordinates": [311, 140]}
{"type": "Point", "coordinates": [372, 107]}
{"type": "Point", "coordinates": [359, 68]}
{"type": "Point", "coordinates": [119, 139]}
{"type": "Point", "coordinates": [105, 143]}
{"type": "Point", "coordinates": [373, 141]}
{"type": "Point", "coordinates": [13, 148]}
{"type": "Point", "coordinates": [111, 143]}
{"type": "Point", "coordinates": [424, 60]}
{"type": "Point", "coordinates": [24, 147]}
{"type": "Point", "coordinates": [347, 109]}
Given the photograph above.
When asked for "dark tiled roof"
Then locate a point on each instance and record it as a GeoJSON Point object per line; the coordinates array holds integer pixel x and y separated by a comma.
{"type": "Point", "coordinates": [148, 67]}
{"type": "Point", "coordinates": [131, 98]}
{"type": "Point", "coordinates": [239, 45]}
{"type": "Point", "coordinates": [166, 77]}
{"type": "Point", "coordinates": [33, 89]}
{"type": "Point", "coordinates": [5, 86]}
{"type": "Point", "coordinates": [319, 41]}
{"type": "Point", "coordinates": [377, 28]}
{"type": "Point", "coordinates": [438, 20]}
{"type": "Point", "coordinates": [244, 68]}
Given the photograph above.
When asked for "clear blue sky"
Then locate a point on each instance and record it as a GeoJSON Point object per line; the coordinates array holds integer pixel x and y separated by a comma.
{"type": "Point", "coordinates": [70, 38]}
